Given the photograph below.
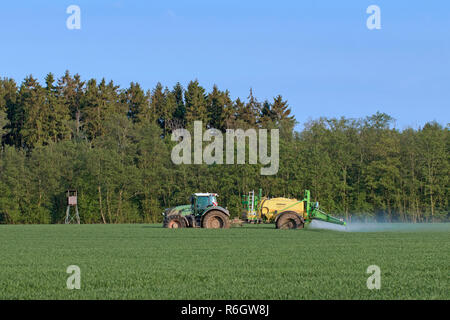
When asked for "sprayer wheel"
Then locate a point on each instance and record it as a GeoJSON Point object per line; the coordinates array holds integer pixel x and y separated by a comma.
{"type": "Point", "coordinates": [174, 222]}
{"type": "Point", "coordinates": [290, 220]}
{"type": "Point", "coordinates": [216, 220]}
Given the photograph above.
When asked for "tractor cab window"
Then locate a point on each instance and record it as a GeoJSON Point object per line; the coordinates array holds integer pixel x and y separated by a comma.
{"type": "Point", "coordinates": [202, 202]}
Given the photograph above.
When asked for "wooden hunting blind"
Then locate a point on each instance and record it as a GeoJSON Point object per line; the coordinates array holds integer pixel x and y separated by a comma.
{"type": "Point", "coordinates": [72, 201]}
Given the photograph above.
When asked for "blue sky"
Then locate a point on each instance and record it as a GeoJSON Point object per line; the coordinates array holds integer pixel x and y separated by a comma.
{"type": "Point", "coordinates": [319, 55]}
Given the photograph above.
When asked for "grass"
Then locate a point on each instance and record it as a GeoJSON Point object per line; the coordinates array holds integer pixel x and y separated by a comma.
{"type": "Point", "coordinates": [250, 262]}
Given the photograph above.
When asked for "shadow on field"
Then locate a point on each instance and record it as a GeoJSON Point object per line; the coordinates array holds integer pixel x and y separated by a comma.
{"type": "Point", "coordinates": [248, 227]}
{"type": "Point", "coordinates": [153, 226]}
{"type": "Point", "coordinates": [261, 227]}
{"type": "Point", "coordinates": [316, 230]}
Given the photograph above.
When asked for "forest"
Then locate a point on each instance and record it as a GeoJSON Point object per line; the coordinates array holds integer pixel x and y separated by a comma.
{"type": "Point", "coordinates": [113, 146]}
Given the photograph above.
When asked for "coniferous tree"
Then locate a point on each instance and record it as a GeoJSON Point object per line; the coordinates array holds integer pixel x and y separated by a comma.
{"type": "Point", "coordinates": [137, 103]}
{"type": "Point", "coordinates": [266, 118]}
{"type": "Point", "coordinates": [33, 114]}
{"type": "Point", "coordinates": [9, 100]}
{"type": "Point", "coordinates": [100, 103]}
{"type": "Point", "coordinates": [215, 107]}
{"type": "Point", "coordinates": [92, 116]}
{"type": "Point", "coordinates": [195, 102]}
{"type": "Point", "coordinates": [178, 93]}
{"type": "Point", "coordinates": [167, 114]}
{"type": "Point", "coordinates": [249, 113]}
{"type": "Point", "coordinates": [158, 104]}
{"type": "Point", "coordinates": [228, 115]}
{"type": "Point", "coordinates": [71, 91]}
{"type": "Point", "coordinates": [3, 124]}
{"type": "Point", "coordinates": [57, 122]}
{"type": "Point", "coordinates": [281, 116]}
{"type": "Point", "coordinates": [3, 115]}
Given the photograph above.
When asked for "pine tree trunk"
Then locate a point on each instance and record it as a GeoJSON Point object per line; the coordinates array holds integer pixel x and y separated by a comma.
{"type": "Point", "coordinates": [108, 206]}
{"type": "Point", "coordinates": [77, 116]}
{"type": "Point", "coordinates": [100, 203]}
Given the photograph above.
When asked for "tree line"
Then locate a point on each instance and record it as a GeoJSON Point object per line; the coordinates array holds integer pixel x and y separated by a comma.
{"type": "Point", "coordinates": [113, 145]}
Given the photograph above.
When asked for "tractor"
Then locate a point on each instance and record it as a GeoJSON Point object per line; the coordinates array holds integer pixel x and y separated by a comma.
{"type": "Point", "coordinates": [203, 212]}
{"type": "Point", "coordinates": [285, 213]}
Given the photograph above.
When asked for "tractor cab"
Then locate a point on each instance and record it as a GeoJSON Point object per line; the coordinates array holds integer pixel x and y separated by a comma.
{"type": "Point", "coordinates": [201, 201]}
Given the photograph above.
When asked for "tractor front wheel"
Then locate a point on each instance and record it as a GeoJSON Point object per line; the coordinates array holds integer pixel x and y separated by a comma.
{"type": "Point", "coordinates": [174, 222]}
{"type": "Point", "coordinates": [216, 220]}
{"type": "Point", "coordinates": [290, 220]}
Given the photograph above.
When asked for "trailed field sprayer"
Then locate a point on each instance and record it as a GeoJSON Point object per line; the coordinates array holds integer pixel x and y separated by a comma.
{"type": "Point", "coordinates": [285, 213]}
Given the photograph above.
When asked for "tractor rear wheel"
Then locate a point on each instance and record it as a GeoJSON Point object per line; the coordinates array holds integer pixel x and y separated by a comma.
{"type": "Point", "coordinates": [174, 222]}
{"type": "Point", "coordinates": [216, 220]}
{"type": "Point", "coordinates": [290, 220]}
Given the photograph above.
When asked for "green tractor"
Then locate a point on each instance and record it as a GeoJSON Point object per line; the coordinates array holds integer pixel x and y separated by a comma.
{"type": "Point", "coordinates": [203, 212]}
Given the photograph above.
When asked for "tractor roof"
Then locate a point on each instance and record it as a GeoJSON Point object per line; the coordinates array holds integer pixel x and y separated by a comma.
{"type": "Point", "coordinates": [205, 194]}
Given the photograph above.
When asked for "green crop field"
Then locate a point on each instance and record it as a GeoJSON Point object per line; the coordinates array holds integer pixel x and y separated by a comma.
{"type": "Point", "coordinates": [250, 262]}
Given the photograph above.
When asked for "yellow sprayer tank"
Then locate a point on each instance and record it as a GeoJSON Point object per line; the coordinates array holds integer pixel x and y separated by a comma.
{"type": "Point", "coordinates": [270, 208]}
